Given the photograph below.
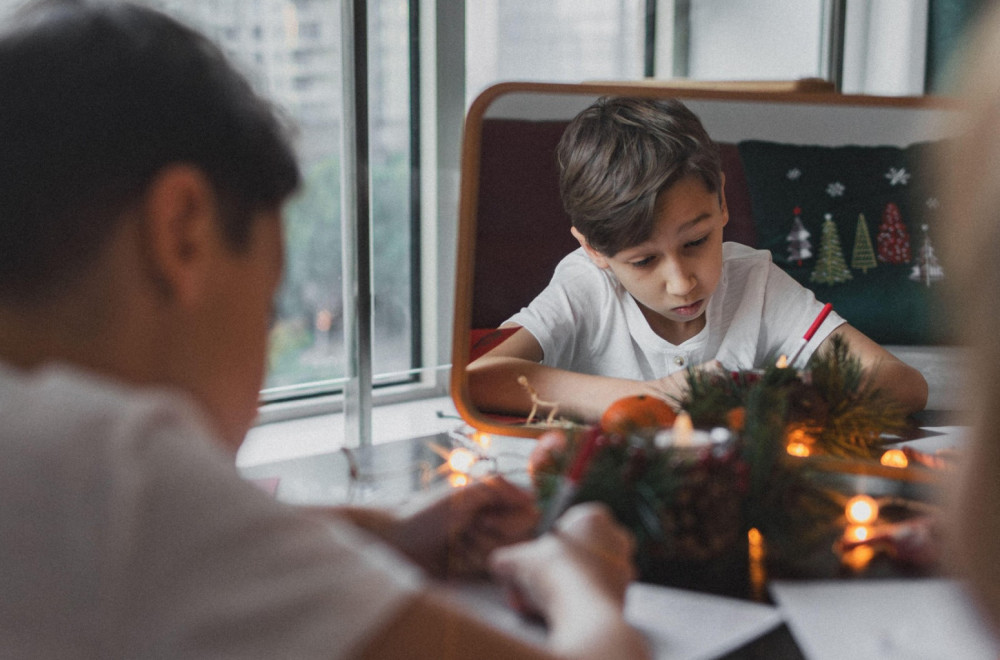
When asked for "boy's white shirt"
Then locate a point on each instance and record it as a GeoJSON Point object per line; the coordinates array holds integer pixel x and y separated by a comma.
{"type": "Point", "coordinates": [586, 322]}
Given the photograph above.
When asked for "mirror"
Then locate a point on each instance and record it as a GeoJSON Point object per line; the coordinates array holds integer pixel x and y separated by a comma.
{"type": "Point", "coordinates": [512, 227]}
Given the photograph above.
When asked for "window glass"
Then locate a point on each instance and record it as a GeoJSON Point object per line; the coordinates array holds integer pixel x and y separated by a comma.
{"type": "Point", "coordinates": [760, 40]}
{"type": "Point", "coordinates": [291, 52]}
{"type": "Point", "coordinates": [556, 40]}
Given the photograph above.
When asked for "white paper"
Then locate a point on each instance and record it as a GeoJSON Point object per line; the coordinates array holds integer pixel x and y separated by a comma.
{"type": "Point", "coordinates": [687, 624]}
{"type": "Point", "coordinates": [679, 624]}
{"type": "Point", "coordinates": [916, 619]}
{"type": "Point", "coordinates": [945, 437]}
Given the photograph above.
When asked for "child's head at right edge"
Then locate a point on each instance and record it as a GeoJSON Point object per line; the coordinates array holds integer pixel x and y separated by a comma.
{"type": "Point", "coordinates": [617, 155]}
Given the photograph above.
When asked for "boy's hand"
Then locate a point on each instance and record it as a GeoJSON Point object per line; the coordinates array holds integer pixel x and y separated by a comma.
{"type": "Point", "coordinates": [672, 388]}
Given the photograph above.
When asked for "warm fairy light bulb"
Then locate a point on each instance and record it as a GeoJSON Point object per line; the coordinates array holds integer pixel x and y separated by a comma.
{"type": "Point", "coordinates": [683, 430]}
{"type": "Point", "coordinates": [894, 458]}
{"type": "Point", "coordinates": [782, 362]}
{"type": "Point", "coordinates": [755, 542]}
{"type": "Point", "coordinates": [857, 533]}
{"type": "Point", "coordinates": [858, 559]}
{"type": "Point", "coordinates": [461, 460]}
{"type": "Point", "coordinates": [799, 449]}
{"type": "Point", "coordinates": [798, 443]}
{"type": "Point", "coordinates": [861, 509]}
{"type": "Point", "coordinates": [484, 440]}
{"type": "Point", "coordinates": [457, 480]}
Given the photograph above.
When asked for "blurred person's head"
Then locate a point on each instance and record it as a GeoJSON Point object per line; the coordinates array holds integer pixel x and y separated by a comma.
{"type": "Point", "coordinates": [970, 238]}
{"type": "Point", "coordinates": [141, 185]}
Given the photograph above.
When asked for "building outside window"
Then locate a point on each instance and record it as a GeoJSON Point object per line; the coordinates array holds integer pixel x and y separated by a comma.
{"type": "Point", "coordinates": [291, 52]}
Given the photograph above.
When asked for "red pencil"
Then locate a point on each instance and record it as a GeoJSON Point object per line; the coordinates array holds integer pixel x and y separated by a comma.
{"type": "Point", "coordinates": [810, 332]}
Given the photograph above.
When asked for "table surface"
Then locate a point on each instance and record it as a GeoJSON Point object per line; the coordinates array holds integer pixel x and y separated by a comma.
{"type": "Point", "coordinates": [388, 474]}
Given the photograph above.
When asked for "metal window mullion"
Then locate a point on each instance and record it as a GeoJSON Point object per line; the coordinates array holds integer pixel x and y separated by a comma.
{"type": "Point", "coordinates": [356, 225]}
{"type": "Point", "coordinates": [649, 40]}
{"type": "Point", "coordinates": [832, 57]}
{"type": "Point", "coordinates": [416, 258]}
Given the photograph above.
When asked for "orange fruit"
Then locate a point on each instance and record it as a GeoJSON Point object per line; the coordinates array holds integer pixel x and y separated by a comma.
{"type": "Point", "coordinates": [633, 413]}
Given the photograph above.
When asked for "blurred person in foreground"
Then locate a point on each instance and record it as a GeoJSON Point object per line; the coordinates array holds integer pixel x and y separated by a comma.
{"type": "Point", "coordinates": [141, 188]}
{"type": "Point", "coordinates": [970, 238]}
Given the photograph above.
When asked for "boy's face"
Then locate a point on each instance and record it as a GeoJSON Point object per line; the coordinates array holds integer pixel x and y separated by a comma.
{"type": "Point", "coordinates": [673, 274]}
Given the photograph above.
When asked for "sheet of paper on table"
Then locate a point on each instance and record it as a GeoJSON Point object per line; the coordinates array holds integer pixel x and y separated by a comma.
{"type": "Point", "coordinates": [916, 619]}
{"type": "Point", "coordinates": [679, 624]}
{"type": "Point", "coordinates": [939, 437]}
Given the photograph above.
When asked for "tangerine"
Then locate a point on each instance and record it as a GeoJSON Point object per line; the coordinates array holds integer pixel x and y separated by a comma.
{"type": "Point", "coordinates": [640, 411]}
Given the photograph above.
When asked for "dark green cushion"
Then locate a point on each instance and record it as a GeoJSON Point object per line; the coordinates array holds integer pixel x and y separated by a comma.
{"type": "Point", "coordinates": [880, 299]}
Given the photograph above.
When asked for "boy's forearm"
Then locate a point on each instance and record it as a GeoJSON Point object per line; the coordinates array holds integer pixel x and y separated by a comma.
{"type": "Point", "coordinates": [903, 383]}
{"type": "Point", "coordinates": [493, 386]}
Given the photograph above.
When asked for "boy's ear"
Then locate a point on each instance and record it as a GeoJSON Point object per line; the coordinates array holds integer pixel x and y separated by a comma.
{"type": "Point", "coordinates": [180, 218]}
{"type": "Point", "coordinates": [599, 259]}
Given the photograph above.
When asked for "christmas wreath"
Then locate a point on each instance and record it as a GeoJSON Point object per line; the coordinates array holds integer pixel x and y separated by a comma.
{"type": "Point", "coordinates": [779, 455]}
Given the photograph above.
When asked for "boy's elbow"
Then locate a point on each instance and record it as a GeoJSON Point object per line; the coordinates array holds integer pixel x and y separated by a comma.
{"type": "Point", "coordinates": [909, 387]}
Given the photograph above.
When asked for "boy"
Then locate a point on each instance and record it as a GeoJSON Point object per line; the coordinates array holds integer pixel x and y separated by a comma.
{"type": "Point", "coordinates": [653, 290]}
{"type": "Point", "coordinates": [141, 185]}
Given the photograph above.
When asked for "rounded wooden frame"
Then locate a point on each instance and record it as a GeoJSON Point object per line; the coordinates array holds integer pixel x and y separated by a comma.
{"type": "Point", "coordinates": [809, 91]}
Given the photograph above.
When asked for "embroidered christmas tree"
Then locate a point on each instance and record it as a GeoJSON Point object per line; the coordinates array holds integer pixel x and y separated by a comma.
{"type": "Point", "coordinates": [863, 256]}
{"type": "Point", "coordinates": [830, 265]}
{"type": "Point", "coordinates": [927, 269]}
{"type": "Point", "coordinates": [893, 239]}
{"type": "Point", "coordinates": [799, 247]}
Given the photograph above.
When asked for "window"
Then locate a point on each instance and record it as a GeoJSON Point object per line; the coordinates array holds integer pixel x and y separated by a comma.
{"type": "Point", "coordinates": [560, 40]}
{"type": "Point", "coordinates": [291, 51]}
{"type": "Point", "coordinates": [763, 40]}
{"type": "Point", "coordinates": [877, 46]}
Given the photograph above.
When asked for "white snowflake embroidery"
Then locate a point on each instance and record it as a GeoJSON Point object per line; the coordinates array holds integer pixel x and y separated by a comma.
{"type": "Point", "coordinates": [835, 189]}
{"type": "Point", "coordinates": [933, 203]}
{"type": "Point", "coordinates": [794, 174]}
{"type": "Point", "coordinates": [898, 177]}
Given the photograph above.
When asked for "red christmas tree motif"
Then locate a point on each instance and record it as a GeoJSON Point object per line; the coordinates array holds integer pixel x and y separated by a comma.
{"type": "Point", "coordinates": [893, 238]}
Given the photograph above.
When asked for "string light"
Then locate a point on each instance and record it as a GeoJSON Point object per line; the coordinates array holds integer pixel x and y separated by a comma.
{"type": "Point", "coordinates": [799, 443]}
{"type": "Point", "coordinates": [461, 460]}
{"type": "Point", "coordinates": [858, 558]}
{"type": "Point", "coordinates": [484, 440]}
{"type": "Point", "coordinates": [861, 510]}
{"type": "Point", "coordinates": [857, 533]}
{"type": "Point", "coordinates": [757, 566]}
{"type": "Point", "coordinates": [799, 449]}
{"type": "Point", "coordinates": [894, 458]}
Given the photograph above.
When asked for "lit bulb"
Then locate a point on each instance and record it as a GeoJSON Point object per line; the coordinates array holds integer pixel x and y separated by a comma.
{"type": "Point", "coordinates": [484, 440]}
{"type": "Point", "coordinates": [457, 480]}
{"type": "Point", "coordinates": [858, 558]}
{"type": "Point", "coordinates": [856, 533]}
{"type": "Point", "coordinates": [755, 540]}
{"type": "Point", "coordinates": [861, 510]}
{"type": "Point", "coordinates": [461, 460]}
{"type": "Point", "coordinates": [800, 449]}
{"type": "Point", "coordinates": [894, 458]}
{"type": "Point", "coordinates": [782, 362]}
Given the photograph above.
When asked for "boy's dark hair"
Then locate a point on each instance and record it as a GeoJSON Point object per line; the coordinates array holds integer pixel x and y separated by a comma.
{"type": "Point", "coordinates": [616, 156]}
{"type": "Point", "coordinates": [96, 100]}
